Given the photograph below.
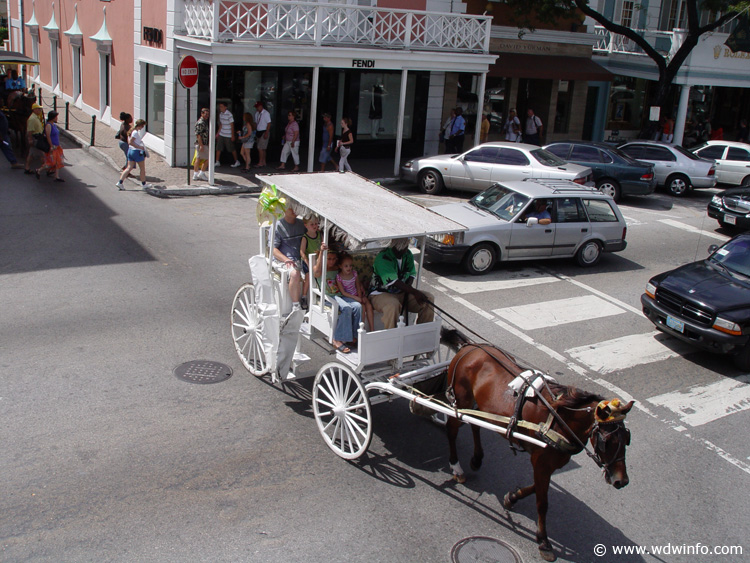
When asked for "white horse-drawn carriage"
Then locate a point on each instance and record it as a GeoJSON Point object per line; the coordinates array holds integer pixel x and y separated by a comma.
{"type": "Point", "coordinates": [269, 334]}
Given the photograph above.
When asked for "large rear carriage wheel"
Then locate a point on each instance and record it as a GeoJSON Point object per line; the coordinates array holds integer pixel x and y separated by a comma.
{"type": "Point", "coordinates": [342, 410]}
{"type": "Point", "coordinates": [247, 331]}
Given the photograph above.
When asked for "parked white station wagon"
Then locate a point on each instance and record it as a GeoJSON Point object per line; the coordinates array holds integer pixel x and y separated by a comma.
{"type": "Point", "coordinates": [580, 222]}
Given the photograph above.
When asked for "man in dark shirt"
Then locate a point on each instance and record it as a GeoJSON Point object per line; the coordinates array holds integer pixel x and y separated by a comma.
{"type": "Point", "coordinates": [286, 242]}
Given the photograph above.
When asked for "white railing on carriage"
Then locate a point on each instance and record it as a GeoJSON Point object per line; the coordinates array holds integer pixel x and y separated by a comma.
{"type": "Point", "coordinates": [334, 24]}
{"type": "Point", "coordinates": [607, 43]}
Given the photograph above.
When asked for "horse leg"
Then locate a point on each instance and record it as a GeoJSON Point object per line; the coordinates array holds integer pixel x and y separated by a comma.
{"type": "Point", "coordinates": [542, 476]}
{"type": "Point", "coordinates": [452, 428]}
{"type": "Point", "coordinates": [476, 459]}
{"type": "Point", "coordinates": [513, 496]}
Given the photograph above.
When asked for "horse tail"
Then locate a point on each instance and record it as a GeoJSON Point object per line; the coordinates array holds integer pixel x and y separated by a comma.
{"type": "Point", "coordinates": [453, 338]}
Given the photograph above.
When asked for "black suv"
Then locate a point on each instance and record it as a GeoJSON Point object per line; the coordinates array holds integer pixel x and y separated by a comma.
{"type": "Point", "coordinates": [707, 303]}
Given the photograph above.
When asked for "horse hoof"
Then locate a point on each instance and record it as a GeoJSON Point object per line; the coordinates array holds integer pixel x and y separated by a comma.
{"type": "Point", "coordinates": [460, 478]}
{"type": "Point", "coordinates": [547, 553]}
{"type": "Point", "coordinates": [475, 465]}
{"type": "Point", "coordinates": [508, 502]}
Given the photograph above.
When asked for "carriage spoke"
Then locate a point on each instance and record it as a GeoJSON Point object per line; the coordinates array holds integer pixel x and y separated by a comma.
{"type": "Point", "coordinates": [358, 418]}
{"type": "Point", "coordinates": [324, 403]}
{"type": "Point", "coordinates": [327, 394]}
{"type": "Point", "coordinates": [351, 408]}
{"type": "Point", "coordinates": [355, 429]}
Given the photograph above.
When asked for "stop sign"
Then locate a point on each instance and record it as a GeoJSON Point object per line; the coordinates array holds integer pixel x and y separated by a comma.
{"type": "Point", "coordinates": [187, 71]}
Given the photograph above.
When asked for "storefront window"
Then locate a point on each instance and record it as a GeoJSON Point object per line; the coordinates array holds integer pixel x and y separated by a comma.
{"type": "Point", "coordinates": [377, 116]}
{"type": "Point", "coordinates": [626, 103]}
{"type": "Point", "coordinates": [564, 105]}
{"type": "Point", "coordinates": [155, 90]}
{"type": "Point", "coordinates": [495, 105]}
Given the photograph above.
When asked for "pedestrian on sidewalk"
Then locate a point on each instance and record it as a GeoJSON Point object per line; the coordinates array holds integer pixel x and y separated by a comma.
{"type": "Point", "coordinates": [513, 127]}
{"type": "Point", "coordinates": [291, 143]}
{"type": "Point", "coordinates": [137, 153]}
{"type": "Point", "coordinates": [455, 143]}
{"type": "Point", "coordinates": [53, 159]}
{"type": "Point", "coordinates": [263, 129]}
{"type": "Point", "coordinates": [225, 135]}
{"type": "Point", "coordinates": [5, 142]}
{"type": "Point", "coordinates": [200, 158]}
{"type": "Point", "coordinates": [532, 134]}
{"type": "Point", "coordinates": [344, 146]}
{"type": "Point", "coordinates": [325, 152]}
{"type": "Point", "coordinates": [247, 138]}
{"type": "Point", "coordinates": [122, 135]}
{"type": "Point", "coordinates": [34, 126]}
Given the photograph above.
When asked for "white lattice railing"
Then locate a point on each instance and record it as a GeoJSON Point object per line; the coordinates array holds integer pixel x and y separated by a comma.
{"type": "Point", "coordinates": [607, 43]}
{"type": "Point", "coordinates": [334, 24]}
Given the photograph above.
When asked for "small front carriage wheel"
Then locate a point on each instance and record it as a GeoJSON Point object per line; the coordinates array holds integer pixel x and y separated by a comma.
{"type": "Point", "coordinates": [589, 253]}
{"type": "Point", "coordinates": [247, 331]}
{"type": "Point", "coordinates": [342, 410]}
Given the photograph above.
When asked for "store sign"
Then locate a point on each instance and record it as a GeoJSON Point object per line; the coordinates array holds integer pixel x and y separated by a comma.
{"type": "Point", "coordinates": [363, 63]}
{"type": "Point", "coordinates": [153, 35]}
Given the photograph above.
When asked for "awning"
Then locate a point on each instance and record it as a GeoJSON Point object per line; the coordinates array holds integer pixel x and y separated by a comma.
{"type": "Point", "coordinates": [549, 67]}
{"type": "Point", "coordinates": [15, 58]}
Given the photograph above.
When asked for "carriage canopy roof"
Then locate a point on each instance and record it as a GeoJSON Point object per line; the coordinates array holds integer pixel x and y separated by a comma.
{"type": "Point", "coordinates": [14, 58]}
{"type": "Point", "coordinates": [363, 209]}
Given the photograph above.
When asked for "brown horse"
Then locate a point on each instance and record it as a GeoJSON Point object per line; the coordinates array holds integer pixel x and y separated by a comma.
{"type": "Point", "coordinates": [479, 375]}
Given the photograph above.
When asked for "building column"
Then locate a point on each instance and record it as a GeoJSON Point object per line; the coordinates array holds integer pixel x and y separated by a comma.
{"type": "Point", "coordinates": [679, 121]}
{"type": "Point", "coordinates": [480, 106]}
{"type": "Point", "coordinates": [313, 120]}
{"type": "Point", "coordinates": [400, 124]}
{"type": "Point", "coordinates": [212, 126]}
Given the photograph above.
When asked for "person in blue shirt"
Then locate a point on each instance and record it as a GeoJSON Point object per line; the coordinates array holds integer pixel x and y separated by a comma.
{"type": "Point", "coordinates": [13, 82]}
{"type": "Point", "coordinates": [455, 141]}
{"type": "Point", "coordinates": [540, 212]}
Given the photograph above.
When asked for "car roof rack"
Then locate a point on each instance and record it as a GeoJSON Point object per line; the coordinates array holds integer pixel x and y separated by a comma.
{"type": "Point", "coordinates": [559, 186]}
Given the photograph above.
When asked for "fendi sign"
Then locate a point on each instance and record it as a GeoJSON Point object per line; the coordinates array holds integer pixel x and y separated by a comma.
{"type": "Point", "coordinates": [153, 35]}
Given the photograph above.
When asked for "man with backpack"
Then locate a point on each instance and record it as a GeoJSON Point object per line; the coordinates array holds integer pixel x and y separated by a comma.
{"type": "Point", "coordinates": [533, 132]}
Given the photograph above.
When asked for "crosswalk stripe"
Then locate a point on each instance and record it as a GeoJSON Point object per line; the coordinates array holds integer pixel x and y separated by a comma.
{"type": "Point", "coordinates": [628, 351]}
{"type": "Point", "coordinates": [470, 284]}
{"type": "Point", "coordinates": [690, 229]}
{"type": "Point", "coordinates": [700, 405]}
{"type": "Point", "coordinates": [558, 312]}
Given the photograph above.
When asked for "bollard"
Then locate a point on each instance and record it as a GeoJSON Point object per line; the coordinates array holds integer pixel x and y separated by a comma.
{"type": "Point", "coordinates": [67, 115]}
{"type": "Point", "coordinates": [54, 103]}
{"type": "Point", "coordinates": [41, 102]}
{"type": "Point", "coordinates": [93, 129]}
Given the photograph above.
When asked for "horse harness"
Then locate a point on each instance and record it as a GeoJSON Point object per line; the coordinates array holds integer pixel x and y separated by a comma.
{"type": "Point", "coordinates": [599, 431]}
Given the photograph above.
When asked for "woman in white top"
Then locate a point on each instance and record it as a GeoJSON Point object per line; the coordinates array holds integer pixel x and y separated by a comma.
{"type": "Point", "coordinates": [137, 153]}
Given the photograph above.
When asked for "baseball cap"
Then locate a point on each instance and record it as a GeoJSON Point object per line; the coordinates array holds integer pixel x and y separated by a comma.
{"type": "Point", "coordinates": [257, 104]}
{"type": "Point", "coordinates": [36, 106]}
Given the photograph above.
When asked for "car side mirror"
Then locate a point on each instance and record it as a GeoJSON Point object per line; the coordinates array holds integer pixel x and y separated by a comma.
{"type": "Point", "coordinates": [713, 248]}
{"type": "Point", "coordinates": [531, 221]}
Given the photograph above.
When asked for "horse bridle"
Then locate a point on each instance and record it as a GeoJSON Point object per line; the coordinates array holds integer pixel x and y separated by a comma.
{"type": "Point", "coordinates": [600, 433]}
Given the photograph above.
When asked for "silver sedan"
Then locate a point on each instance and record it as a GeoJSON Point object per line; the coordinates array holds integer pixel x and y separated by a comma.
{"type": "Point", "coordinates": [674, 167]}
{"type": "Point", "coordinates": [484, 165]}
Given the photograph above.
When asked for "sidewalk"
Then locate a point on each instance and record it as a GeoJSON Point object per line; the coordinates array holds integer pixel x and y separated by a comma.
{"type": "Point", "coordinates": [169, 181]}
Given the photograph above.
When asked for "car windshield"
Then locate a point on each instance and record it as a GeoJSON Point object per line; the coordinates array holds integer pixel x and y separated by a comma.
{"type": "Point", "coordinates": [686, 152]}
{"type": "Point", "coordinates": [734, 256]}
{"type": "Point", "coordinates": [500, 201]}
{"type": "Point", "coordinates": [547, 158]}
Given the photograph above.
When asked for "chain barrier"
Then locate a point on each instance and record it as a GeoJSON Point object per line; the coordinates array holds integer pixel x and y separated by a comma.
{"type": "Point", "coordinates": [71, 116]}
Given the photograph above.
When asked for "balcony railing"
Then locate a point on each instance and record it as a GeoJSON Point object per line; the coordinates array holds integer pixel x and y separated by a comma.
{"type": "Point", "coordinates": [334, 24]}
{"type": "Point", "coordinates": [608, 43]}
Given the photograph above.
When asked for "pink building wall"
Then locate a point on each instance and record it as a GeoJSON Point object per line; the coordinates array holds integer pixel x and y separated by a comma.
{"type": "Point", "coordinates": [154, 14]}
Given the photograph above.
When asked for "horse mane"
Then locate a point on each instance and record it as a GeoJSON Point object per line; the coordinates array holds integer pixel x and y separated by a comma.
{"type": "Point", "coordinates": [572, 397]}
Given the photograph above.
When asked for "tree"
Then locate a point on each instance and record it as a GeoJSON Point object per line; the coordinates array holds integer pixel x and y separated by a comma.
{"type": "Point", "coordinates": [527, 11]}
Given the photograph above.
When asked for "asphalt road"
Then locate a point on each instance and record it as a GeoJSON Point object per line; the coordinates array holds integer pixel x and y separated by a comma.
{"type": "Point", "coordinates": [107, 456]}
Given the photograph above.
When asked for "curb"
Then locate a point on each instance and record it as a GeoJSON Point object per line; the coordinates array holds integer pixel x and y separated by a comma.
{"type": "Point", "coordinates": [166, 192]}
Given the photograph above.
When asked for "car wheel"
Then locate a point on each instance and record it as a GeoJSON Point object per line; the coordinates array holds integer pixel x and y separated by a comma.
{"type": "Point", "coordinates": [742, 359]}
{"type": "Point", "coordinates": [609, 187]}
{"type": "Point", "coordinates": [589, 254]}
{"type": "Point", "coordinates": [480, 259]}
{"type": "Point", "coordinates": [745, 182]}
{"type": "Point", "coordinates": [678, 185]}
{"type": "Point", "coordinates": [431, 182]}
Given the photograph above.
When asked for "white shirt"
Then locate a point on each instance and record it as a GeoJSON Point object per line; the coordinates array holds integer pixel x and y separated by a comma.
{"type": "Point", "coordinates": [137, 137]}
{"type": "Point", "coordinates": [262, 120]}
{"type": "Point", "coordinates": [226, 120]}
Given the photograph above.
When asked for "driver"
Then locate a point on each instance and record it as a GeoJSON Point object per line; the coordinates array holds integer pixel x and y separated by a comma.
{"type": "Point", "coordinates": [392, 278]}
{"type": "Point", "coordinates": [540, 212]}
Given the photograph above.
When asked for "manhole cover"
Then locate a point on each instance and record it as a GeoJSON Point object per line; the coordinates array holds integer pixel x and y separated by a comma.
{"type": "Point", "coordinates": [483, 550]}
{"type": "Point", "coordinates": [203, 371]}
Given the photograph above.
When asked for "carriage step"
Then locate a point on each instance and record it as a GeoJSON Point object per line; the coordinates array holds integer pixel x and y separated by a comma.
{"type": "Point", "coordinates": [299, 358]}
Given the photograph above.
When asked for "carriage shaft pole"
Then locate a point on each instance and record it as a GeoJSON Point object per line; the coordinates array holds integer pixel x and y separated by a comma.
{"type": "Point", "coordinates": [390, 388]}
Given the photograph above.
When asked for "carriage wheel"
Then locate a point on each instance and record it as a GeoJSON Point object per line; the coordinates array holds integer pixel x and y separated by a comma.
{"type": "Point", "coordinates": [247, 331]}
{"type": "Point", "coordinates": [342, 411]}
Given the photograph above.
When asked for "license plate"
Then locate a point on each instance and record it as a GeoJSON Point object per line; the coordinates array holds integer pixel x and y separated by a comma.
{"type": "Point", "coordinates": [730, 219]}
{"type": "Point", "coordinates": [674, 324]}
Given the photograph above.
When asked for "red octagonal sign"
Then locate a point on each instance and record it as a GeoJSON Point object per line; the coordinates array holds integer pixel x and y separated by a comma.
{"type": "Point", "coordinates": [187, 71]}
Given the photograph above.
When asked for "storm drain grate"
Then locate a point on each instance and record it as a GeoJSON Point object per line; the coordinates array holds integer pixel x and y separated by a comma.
{"type": "Point", "coordinates": [203, 371]}
{"type": "Point", "coordinates": [481, 549]}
